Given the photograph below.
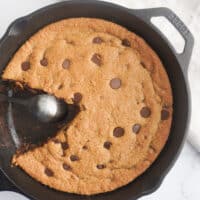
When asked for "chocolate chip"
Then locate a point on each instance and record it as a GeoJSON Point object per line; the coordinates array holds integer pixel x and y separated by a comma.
{"type": "Point", "coordinates": [115, 83]}
{"type": "Point", "coordinates": [118, 132]}
{"type": "Point", "coordinates": [97, 40]}
{"type": "Point", "coordinates": [145, 112]}
{"type": "Point", "coordinates": [56, 141]}
{"type": "Point", "coordinates": [126, 43]}
{"type": "Point", "coordinates": [25, 65]}
{"type": "Point", "coordinates": [136, 128]}
{"type": "Point", "coordinates": [101, 166]}
{"type": "Point", "coordinates": [96, 58]}
{"type": "Point", "coordinates": [48, 172]}
{"type": "Point", "coordinates": [77, 97]}
{"type": "Point", "coordinates": [164, 114]}
{"type": "Point", "coordinates": [143, 64]}
{"type": "Point", "coordinates": [44, 62]}
{"type": "Point", "coordinates": [85, 147]}
{"type": "Point", "coordinates": [66, 167]}
{"type": "Point", "coordinates": [107, 145]}
{"type": "Point", "coordinates": [74, 158]}
{"type": "Point", "coordinates": [60, 86]}
{"type": "Point", "coordinates": [64, 145]}
{"type": "Point", "coordinates": [66, 63]}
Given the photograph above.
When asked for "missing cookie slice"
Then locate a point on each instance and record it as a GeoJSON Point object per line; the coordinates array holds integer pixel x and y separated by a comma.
{"type": "Point", "coordinates": [30, 131]}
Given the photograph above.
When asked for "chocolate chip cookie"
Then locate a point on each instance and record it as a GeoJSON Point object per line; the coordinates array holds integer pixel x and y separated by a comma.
{"type": "Point", "coordinates": [122, 89]}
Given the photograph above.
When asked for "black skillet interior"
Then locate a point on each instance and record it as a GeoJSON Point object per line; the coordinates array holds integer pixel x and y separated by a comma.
{"type": "Point", "coordinates": [176, 67]}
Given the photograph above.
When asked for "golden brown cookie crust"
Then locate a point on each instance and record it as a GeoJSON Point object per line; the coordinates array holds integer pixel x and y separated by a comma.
{"type": "Point", "coordinates": [83, 55]}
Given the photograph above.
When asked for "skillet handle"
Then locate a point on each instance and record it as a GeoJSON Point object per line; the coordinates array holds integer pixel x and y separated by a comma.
{"type": "Point", "coordinates": [184, 57]}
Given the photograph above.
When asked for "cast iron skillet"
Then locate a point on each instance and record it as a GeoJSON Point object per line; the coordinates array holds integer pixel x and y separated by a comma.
{"type": "Point", "coordinates": [176, 66]}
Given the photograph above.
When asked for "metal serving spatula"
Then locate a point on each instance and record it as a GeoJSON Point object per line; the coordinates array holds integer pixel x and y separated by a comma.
{"type": "Point", "coordinates": [33, 116]}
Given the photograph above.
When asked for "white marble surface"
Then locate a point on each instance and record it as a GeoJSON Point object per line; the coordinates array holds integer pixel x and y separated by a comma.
{"type": "Point", "coordinates": [182, 183]}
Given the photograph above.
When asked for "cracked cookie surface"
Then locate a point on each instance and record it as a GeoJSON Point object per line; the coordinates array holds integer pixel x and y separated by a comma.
{"type": "Point", "coordinates": [124, 95]}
